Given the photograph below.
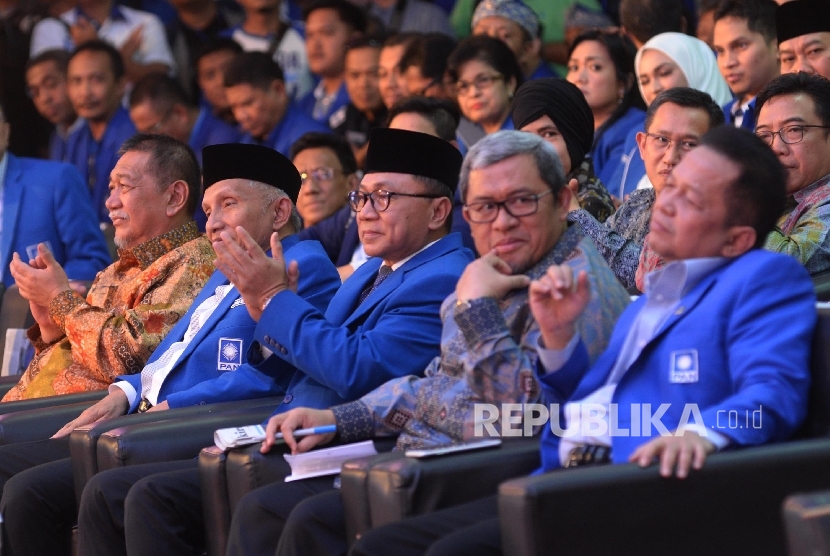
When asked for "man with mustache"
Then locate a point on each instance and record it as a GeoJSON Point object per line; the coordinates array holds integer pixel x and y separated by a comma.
{"type": "Point", "coordinates": [84, 343]}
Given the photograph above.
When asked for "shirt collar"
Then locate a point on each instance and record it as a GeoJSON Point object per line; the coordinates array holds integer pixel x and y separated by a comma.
{"type": "Point", "coordinates": [402, 262]}
{"type": "Point", "coordinates": [678, 278]}
{"type": "Point", "coordinates": [148, 252]}
{"type": "Point", "coordinates": [802, 193]}
{"type": "Point", "coordinates": [4, 165]}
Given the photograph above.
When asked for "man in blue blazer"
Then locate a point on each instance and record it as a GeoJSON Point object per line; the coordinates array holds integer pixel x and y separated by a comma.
{"type": "Point", "coordinates": [715, 354]}
{"type": "Point", "coordinates": [46, 202]}
{"type": "Point", "coordinates": [202, 359]}
{"type": "Point", "coordinates": [381, 324]}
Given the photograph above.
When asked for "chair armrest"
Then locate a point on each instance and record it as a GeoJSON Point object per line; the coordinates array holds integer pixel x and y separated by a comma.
{"type": "Point", "coordinates": [51, 401]}
{"type": "Point", "coordinates": [807, 523]}
{"type": "Point", "coordinates": [83, 442]}
{"type": "Point", "coordinates": [226, 478]}
{"type": "Point", "coordinates": [216, 509]}
{"type": "Point", "coordinates": [354, 479]}
{"type": "Point", "coordinates": [6, 383]}
{"type": "Point", "coordinates": [731, 506]}
{"type": "Point", "coordinates": [37, 424]}
{"type": "Point", "coordinates": [403, 487]}
{"type": "Point", "coordinates": [173, 439]}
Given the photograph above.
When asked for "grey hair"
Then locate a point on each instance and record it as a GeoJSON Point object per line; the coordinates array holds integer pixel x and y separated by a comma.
{"type": "Point", "coordinates": [506, 144]}
{"type": "Point", "coordinates": [269, 195]}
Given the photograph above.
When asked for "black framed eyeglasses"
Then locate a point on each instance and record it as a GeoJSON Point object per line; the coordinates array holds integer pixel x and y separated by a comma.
{"type": "Point", "coordinates": [480, 83]}
{"type": "Point", "coordinates": [380, 199]}
{"type": "Point", "coordinates": [517, 206]}
{"type": "Point", "coordinates": [790, 134]}
{"type": "Point", "coordinates": [662, 143]}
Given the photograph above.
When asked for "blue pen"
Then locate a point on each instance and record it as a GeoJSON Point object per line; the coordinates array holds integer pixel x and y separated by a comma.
{"type": "Point", "coordinates": [315, 430]}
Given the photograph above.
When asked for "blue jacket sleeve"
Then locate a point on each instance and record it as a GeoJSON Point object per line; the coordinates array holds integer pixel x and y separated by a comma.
{"type": "Point", "coordinates": [84, 246]}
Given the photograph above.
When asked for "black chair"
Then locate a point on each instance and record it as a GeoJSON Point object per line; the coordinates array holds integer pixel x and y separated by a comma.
{"type": "Point", "coordinates": [731, 506]}
{"type": "Point", "coordinates": [14, 313]}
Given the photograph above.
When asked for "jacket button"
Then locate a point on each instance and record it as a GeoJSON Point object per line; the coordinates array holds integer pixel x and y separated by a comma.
{"type": "Point", "coordinates": [267, 339]}
{"type": "Point", "coordinates": [283, 350]}
{"type": "Point", "coordinates": [287, 398]}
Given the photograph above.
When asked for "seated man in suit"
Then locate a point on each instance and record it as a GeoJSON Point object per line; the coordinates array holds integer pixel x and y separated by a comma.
{"type": "Point", "coordinates": [515, 199]}
{"type": "Point", "coordinates": [381, 324]}
{"type": "Point", "coordinates": [707, 339]}
{"type": "Point", "coordinates": [794, 120]}
{"type": "Point", "coordinates": [85, 343]}
{"type": "Point", "coordinates": [202, 359]}
{"type": "Point", "coordinates": [46, 202]}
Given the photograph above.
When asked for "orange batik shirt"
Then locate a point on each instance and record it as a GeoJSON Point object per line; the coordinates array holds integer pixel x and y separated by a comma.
{"type": "Point", "coordinates": [130, 307]}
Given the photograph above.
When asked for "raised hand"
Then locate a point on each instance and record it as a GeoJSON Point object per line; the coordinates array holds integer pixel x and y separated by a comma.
{"type": "Point", "coordinates": [557, 301]}
{"type": "Point", "coordinates": [42, 279]}
{"type": "Point", "coordinates": [488, 276]}
{"type": "Point", "coordinates": [256, 276]}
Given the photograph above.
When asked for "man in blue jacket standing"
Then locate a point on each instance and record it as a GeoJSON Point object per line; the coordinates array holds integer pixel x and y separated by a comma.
{"type": "Point", "coordinates": [46, 202]}
{"type": "Point", "coordinates": [202, 359]}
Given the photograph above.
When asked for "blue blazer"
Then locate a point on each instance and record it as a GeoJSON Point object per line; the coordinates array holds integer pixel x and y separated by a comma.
{"type": "Point", "coordinates": [748, 327]}
{"type": "Point", "coordinates": [45, 201]}
{"type": "Point", "coordinates": [337, 233]}
{"type": "Point", "coordinates": [630, 169]}
{"type": "Point", "coordinates": [608, 149]}
{"type": "Point", "coordinates": [749, 116]}
{"type": "Point", "coordinates": [306, 104]}
{"type": "Point", "coordinates": [293, 125]}
{"type": "Point", "coordinates": [354, 348]}
{"type": "Point", "coordinates": [210, 130]}
{"type": "Point", "coordinates": [205, 373]}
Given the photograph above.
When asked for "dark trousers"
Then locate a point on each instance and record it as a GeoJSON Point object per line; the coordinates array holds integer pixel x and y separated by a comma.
{"type": "Point", "coordinates": [153, 509]}
{"type": "Point", "coordinates": [261, 515]}
{"type": "Point", "coordinates": [470, 529]}
{"type": "Point", "coordinates": [38, 502]}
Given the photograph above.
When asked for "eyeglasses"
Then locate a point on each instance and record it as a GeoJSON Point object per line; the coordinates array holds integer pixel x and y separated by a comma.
{"type": "Point", "coordinates": [318, 174]}
{"type": "Point", "coordinates": [661, 143]}
{"type": "Point", "coordinates": [380, 198]}
{"type": "Point", "coordinates": [790, 134]}
{"type": "Point", "coordinates": [483, 212]}
{"type": "Point", "coordinates": [157, 127]}
{"type": "Point", "coordinates": [481, 83]}
{"type": "Point", "coordinates": [435, 81]}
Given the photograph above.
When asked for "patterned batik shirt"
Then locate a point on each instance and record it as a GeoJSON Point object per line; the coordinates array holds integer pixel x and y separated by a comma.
{"type": "Point", "coordinates": [803, 230]}
{"type": "Point", "coordinates": [130, 307]}
{"type": "Point", "coordinates": [488, 355]}
{"type": "Point", "coordinates": [591, 194]}
{"type": "Point", "coordinates": [621, 238]}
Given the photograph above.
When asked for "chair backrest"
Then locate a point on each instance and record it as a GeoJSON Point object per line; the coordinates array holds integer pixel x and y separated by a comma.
{"type": "Point", "coordinates": [817, 423]}
{"type": "Point", "coordinates": [821, 283]}
{"type": "Point", "coordinates": [14, 313]}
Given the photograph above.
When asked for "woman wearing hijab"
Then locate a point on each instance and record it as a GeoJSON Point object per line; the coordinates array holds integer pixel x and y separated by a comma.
{"type": "Point", "coordinates": [557, 111]}
{"type": "Point", "coordinates": [666, 61]}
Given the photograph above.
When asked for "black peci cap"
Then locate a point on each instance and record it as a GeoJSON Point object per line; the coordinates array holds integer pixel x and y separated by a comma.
{"type": "Point", "coordinates": [250, 162]}
{"type": "Point", "coordinates": [417, 154]}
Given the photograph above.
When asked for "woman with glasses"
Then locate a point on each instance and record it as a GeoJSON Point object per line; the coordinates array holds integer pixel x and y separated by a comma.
{"type": "Point", "coordinates": [601, 64]}
{"type": "Point", "coordinates": [666, 61]}
{"type": "Point", "coordinates": [486, 75]}
{"type": "Point", "coordinates": [556, 111]}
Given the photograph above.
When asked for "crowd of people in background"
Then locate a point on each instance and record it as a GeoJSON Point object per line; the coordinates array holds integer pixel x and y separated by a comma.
{"type": "Point", "coordinates": [489, 180]}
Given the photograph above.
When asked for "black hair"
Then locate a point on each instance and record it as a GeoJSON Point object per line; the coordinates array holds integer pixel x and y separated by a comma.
{"type": "Point", "coordinates": [57, 56]}
{"type": "Point", "coordinates": [443, 114]}
{"type": "Point", "coordinates": [160, 89]}
{"type": "Point", "coordinates": [256, 69]}
{"type": "Point", "coordinates": [116, 62]}
{"type": "Point", "coordinates": [687, 98]}
{"type": "Point", "coordinates": [347, 12]}
{"type": "Point", "coordinates": [493, 52]}
{"type": "Point", "coordinates": [428, 53]}
{"type": "Point", "coordinates": [757, 197]}
{"type": "Point", "coordinates": [217, 44]}
{"type": "Point", "coordinates": [815, 86]}
{"type": "Point", "coordinates": [621, 51]}
{"type": "Point", "coordinates": [170, 161]}
{"type": "Point", "coordinates": [337, 144]}
{"type": "Point", "coordinates": [645, 19]}
{"type": "Point", "coordinates": [759, 15]}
